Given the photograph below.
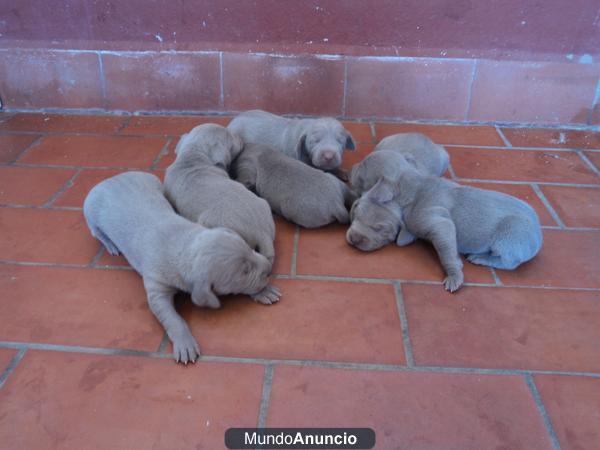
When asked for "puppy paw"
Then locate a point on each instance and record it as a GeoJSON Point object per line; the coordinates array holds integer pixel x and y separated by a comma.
{"type": "Point", "coordinates": [185, 349]}
{"type": "Point", "coordinates": [453, 282]}
{"type": "Point", "coordinates": [268, 295]}
{"type": "Point", "coordinates": [341, 174]}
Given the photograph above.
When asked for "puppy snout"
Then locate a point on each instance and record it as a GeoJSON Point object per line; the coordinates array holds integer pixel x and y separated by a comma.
{"type": "Point", "coordinates": [355, 238]}
{"type": "Point", "coordinates": [328, 155]}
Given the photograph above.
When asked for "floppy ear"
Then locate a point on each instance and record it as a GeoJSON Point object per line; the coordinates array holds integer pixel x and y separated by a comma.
{"type": "Point", "coordinates": [301, 146]}
{"type": "Point", "coordinates": [384, 191]}
{"type": "Point", "coordinates": [203, 296]}
{"type": "Point", "coordinates": [181, 143]}
{"type": "Point", "coordinates": [238, 146]}
{"type": "Point", "coordinates": [350, 145]}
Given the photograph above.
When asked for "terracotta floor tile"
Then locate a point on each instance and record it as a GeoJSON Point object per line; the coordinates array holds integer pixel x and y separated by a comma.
{"type": "Point", "coordinates": [6, 356]}
{"type": "Point", "coordinates": [31, 186]}
{"type": "Point", "coordinates": [573, 404]}
{"type": "Point", "coordinates": [577, 207]}
{"type": "Point", "coordinates": [75, 401]}
{"type": "Point", "coordinates": [354, 157]}
{"type": "Point", "coordinates": [520, 165]}
{"type": "Point", "coordinates": [525, 193]}
{"type": "Point", "coordinates": [360, 131]}
{"type": "Point", "coordinates": [553, 138]}
{"type": "Point", "coordinates": [69, 306]}
{"type": "Point", "coordinates": [284, 246]}
{"type": "Point", "coordinates": [567, 259]}
{"type": "Point", "coordinates": [317, 320]}
{"type": "Point", "coordinates": [444, 134]}
{"type": "Point", "coordinates": [75, 194]}
{"type": "Point", "coordinates": [169, 125]}
{"type": "Point", "coordinates": [44, 235]}
{"type": "Point", "coordinates": [11, 145]}
{"type": "Point", "coordinates": [326, 252]}
{"type": "Point", "coordinates": [107, 259]}
{"type": "Point", "coordinates": [411, 410]}
{"type": "Point", "coordinates": [70, 123]}
{"type": "Point", "coordinates": [95, 151]}
{"type": "Point", "coordinates": [5, 116]}
{"type": "Point", "coordinates": [532, 328]}
{"type": "Point", "coordinates": [594, 157]}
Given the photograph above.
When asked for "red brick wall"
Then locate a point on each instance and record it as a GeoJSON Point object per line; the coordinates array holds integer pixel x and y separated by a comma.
{"type": "Point", "coordinates": [511, 61]}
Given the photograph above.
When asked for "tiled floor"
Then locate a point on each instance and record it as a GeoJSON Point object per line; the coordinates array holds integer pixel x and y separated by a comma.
{"type": "Point", "coordinates": [511, 361]}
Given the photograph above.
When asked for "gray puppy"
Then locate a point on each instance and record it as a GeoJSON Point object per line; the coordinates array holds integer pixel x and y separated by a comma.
{"type": "Point", "coordinates": [303, 195]}
{"type": "Point", "coordinates": [199, 187]}
{"type": "Point", "coordinates": [396, 153]}
{"type": "Point", "coordinates": [129, 214]}
{"type": "Point", "coordinates": [317, 142]}
{"type": "Point", "coordinates": [492, 228]}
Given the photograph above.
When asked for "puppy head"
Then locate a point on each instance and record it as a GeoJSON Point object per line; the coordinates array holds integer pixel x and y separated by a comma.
{"type": "Point", "coordinates": [213, 141]}
{"type": "Point", "coordinates": [324, 142]}
{"type": "Point", "coordinates": [237, 269]}
{"type": "Point", "coordinates": [375, 166]}
{"type": "Point", "coordinates": [375, 220]}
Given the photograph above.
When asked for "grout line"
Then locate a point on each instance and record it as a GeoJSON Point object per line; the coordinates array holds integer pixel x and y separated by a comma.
{"type": "Point", "coordinates": [345, 88]}
{"type": "Point", "coordinates": [96, 257]}
{"type": "Point", "coordinates": [68, 184]}
{"type": "Point", "coordinates": [534, 149]}
{"type": "Point", "coordinates": [102, 80]}
{"type": "Point", "coordinates": [373, 132]}
{"type": "Point", "coordinates": [26, 150]}
{"type": "Point", "coordinates": [14, 362]}
{"type": "Point", "coordinates": [52, 208]}
{"type": "Point", "coordinates": [293, 272]}
{"type": "Point", "coordinates": [503, 137]}
{"type": "Point", "coordinates": [118, 133]}
{"type": "Point", "coordinates": [164, 342]}
{"type": "Point", "coordinates": [495, 277]}
{"type": "Point", "coordinates": [266, 395]}
{"type": "Point", "coordinates": [542, 410]}
{"type": "Point", "coordinates": [221, 82]}
{"type": "Point", "coordinates": [451, 172]}
{"type": "Point", "coordinates": [408, 352]}
{"type": "Point", "coordinates": [62, 265]}
{"type": "Point", "coordinates": [163, 152]}
{"type": "Point", "coordinates": [386, 281]}
{"type": "Point", "coordinates": [588, 162]}
{"type": "Point", "coordinates": [99, 111]}
{"type": "Point", "coordinates": [470, 93]}
{"type": "Point", "coordinates": [541, 183]}
{"type": "Point", "coordinates": [294, 362]}
{"type": "Point", "coordinates": [64, 166]}
{"type": "Point", "coordinates": [548, 206]}
{"type": "Point", "coordinates": [550, 227]}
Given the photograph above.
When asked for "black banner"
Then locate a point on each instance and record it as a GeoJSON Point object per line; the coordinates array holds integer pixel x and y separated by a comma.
{"type": "Point", "coordinates": [300, 438]}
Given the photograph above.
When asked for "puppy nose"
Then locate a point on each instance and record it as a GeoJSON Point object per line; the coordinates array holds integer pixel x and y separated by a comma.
{"type": "Point", "coordinates": [356, 239]}
{"type": "Point", "coordinates": [328, 155]}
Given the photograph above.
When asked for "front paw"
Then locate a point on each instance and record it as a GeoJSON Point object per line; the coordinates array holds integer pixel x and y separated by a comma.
{"type": "Point", "coordinates": [453, 281]}
{"type": "Point", "coordinates": [268, 295]}
{"type": "Point", "coordinates": [185, 348]}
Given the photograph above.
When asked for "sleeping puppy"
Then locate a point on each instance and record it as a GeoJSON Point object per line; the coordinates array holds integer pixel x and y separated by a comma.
{"type": "Point", "coordinates": [296, 191]}
{"type": "Point", "coordinates": [317, 142]}
{"type": "Point", "coordinates": [198, 186]}
{"type": "Point", "coordinates": [129, 214]}
{"type": "Point", "coordinates": [492, 228]}
{"type": "Point", "coordinates": [396, 153]}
